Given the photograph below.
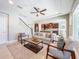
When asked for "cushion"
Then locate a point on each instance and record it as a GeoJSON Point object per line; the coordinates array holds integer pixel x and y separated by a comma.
{"type": "Point", "coordinates": [23, 34]}
{"type": "Point", "coordinates": [48, 35]}
{"type": "Point", "coordinates": [63, 55]}
{"type": "Point", "coordinates": [60, 42]}
{"type": "Point", "coordinates": [69, 46]}
{"type": "Point", "coordinates": [53, 36]}
{"type": "Point", "coordinates": [35, 33]}
{"type": "Point", "coordinates": [59, 54]}
{"type": "Point", "coordinates": [55, 52]}
{"type": "Point", "coordinates": [66, 55]}
{"type": "Point", "coordinates": [70, 43]}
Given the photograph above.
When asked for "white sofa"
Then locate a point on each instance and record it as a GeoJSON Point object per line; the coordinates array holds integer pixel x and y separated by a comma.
{"type": "Point", "coordinates": [43, 36]}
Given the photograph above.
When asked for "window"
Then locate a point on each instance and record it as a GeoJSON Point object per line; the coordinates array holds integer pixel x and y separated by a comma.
{"type": "Point", "coordinates": [76, 23]}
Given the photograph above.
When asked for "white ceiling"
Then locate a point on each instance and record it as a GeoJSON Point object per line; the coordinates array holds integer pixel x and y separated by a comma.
{"type": "Point", "coordinates": [53, 7]}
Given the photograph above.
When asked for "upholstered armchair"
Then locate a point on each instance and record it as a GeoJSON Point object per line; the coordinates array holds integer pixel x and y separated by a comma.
{"type": "Point", "coordinates": [62, 53]}
{"type": "Point", "coordinates": [22, 37]}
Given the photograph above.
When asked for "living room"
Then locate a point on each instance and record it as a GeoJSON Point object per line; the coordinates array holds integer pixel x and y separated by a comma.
{"type": "Point", "coordinates": [30, 27]}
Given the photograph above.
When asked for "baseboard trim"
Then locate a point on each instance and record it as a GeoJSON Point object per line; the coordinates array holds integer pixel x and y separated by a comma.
{"type": "Point", "coordinates": [12, 41]}
{"type": "Point", "coordinates": [7, 42]}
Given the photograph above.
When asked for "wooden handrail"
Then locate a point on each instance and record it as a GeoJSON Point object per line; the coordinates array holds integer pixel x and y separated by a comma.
{"type": "Point", "coordinates": [26, 25]}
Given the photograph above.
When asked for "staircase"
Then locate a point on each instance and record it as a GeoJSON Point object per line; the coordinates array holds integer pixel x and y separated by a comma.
{"type": "Point", "coordinates": [26, 25]}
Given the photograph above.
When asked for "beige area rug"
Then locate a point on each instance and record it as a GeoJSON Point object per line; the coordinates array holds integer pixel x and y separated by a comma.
{"type": "Point", "coordinates": [20, 52]}
{"type": "Point", "coordinates": [5, 53]}
{"type": "Point", "coordinates": [17, 51]}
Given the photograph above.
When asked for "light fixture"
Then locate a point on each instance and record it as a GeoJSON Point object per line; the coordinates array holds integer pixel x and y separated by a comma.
{"type": "Point", "coordinates": [11, 2]}
{"type": "Point", "coordinates": [57, 12]}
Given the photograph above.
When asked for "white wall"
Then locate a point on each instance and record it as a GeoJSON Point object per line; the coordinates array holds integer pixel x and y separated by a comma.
{"type": "Point", "coordinates": [76, 28]}
{"type": "Point", "coordinates": [72, 29]}
{"type": "Point", "coordinates": [13, 26]}
{"type": "Point", "coordinates": [62, 20]}
{"type": "Point", "coordinates": [16, 26]}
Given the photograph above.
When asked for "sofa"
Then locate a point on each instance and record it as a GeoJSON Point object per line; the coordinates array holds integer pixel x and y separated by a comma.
{"type": "Point", "coordinates": [45, 36]}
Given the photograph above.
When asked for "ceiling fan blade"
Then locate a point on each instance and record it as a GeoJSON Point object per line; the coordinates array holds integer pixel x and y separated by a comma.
{"type": "Point", "coordinates": [43, 10]}
{"type": "Point", "coordinates": [33, 12]}
{"type": "Point", "coordinates": [42, 13]}
{"type": "Point", "coordinates": [36, 9]}
{"type": "Point", "coordinates": [19, 6]}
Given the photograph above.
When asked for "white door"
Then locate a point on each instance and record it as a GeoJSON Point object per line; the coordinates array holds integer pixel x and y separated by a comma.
{"type": "Point", "coordinates": [3, 28]}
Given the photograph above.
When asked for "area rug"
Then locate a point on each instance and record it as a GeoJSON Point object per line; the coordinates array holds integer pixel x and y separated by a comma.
{"type": "Point", "coordinates": [33, 48]}
{"type": "Point", "coordinates": [20, 52]}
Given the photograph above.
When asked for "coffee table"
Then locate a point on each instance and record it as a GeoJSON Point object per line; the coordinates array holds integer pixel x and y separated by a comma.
{"type": "Point", "coordinates": [34, 45]}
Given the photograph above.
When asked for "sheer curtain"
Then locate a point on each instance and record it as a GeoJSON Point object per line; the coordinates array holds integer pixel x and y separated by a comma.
{"type": "Point", "coordinates": [3, 28]}
{"type": "Point", "coordinates": [76, 23]}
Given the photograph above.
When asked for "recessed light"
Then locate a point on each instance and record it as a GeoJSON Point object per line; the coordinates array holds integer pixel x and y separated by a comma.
{"type": "Point", "coordinates": [11, 2]}
{"type": "Point", "coordinates": [57, 12]}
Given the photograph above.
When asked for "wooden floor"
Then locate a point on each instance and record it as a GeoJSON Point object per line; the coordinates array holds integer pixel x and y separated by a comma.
{"type": "Point", "coordinates": [17, 51]}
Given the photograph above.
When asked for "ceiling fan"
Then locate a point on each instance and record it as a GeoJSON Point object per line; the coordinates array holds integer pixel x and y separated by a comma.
{"type": "Point", "coordinates": [38, 11]}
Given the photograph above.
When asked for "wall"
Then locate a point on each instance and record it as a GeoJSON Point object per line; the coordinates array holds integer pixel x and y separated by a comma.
{"type": "Point", "coordinates": [76, 28]}
{"type": "Point", "coordinates": [60, 20]}
{"type": "Point", "coordinates": [71, 27]}
{"type": "Point", "coordinates": [76, 2]}
{"type": "Point", "coordinates": [16, 26]}
{"type": "Point", "coordinates": [13, 26]}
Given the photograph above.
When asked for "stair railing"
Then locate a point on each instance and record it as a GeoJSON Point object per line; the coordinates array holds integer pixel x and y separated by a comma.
{"type": "Point", "coordinates": [26, 25]}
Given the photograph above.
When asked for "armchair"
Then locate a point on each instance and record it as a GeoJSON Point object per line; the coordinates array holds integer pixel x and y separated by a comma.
{"type": "Point", "coordinates": [22, 37]}
{"type": "Point", "coordinates": [61, 53]}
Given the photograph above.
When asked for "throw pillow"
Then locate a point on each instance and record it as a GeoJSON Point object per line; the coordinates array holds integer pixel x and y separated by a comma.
{"type": "Point", "coordinates": [61, 42]}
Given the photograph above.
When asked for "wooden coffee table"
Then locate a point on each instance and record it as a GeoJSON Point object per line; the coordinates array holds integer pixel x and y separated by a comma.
{"type": "Point", "coordinates": [34, 45]}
